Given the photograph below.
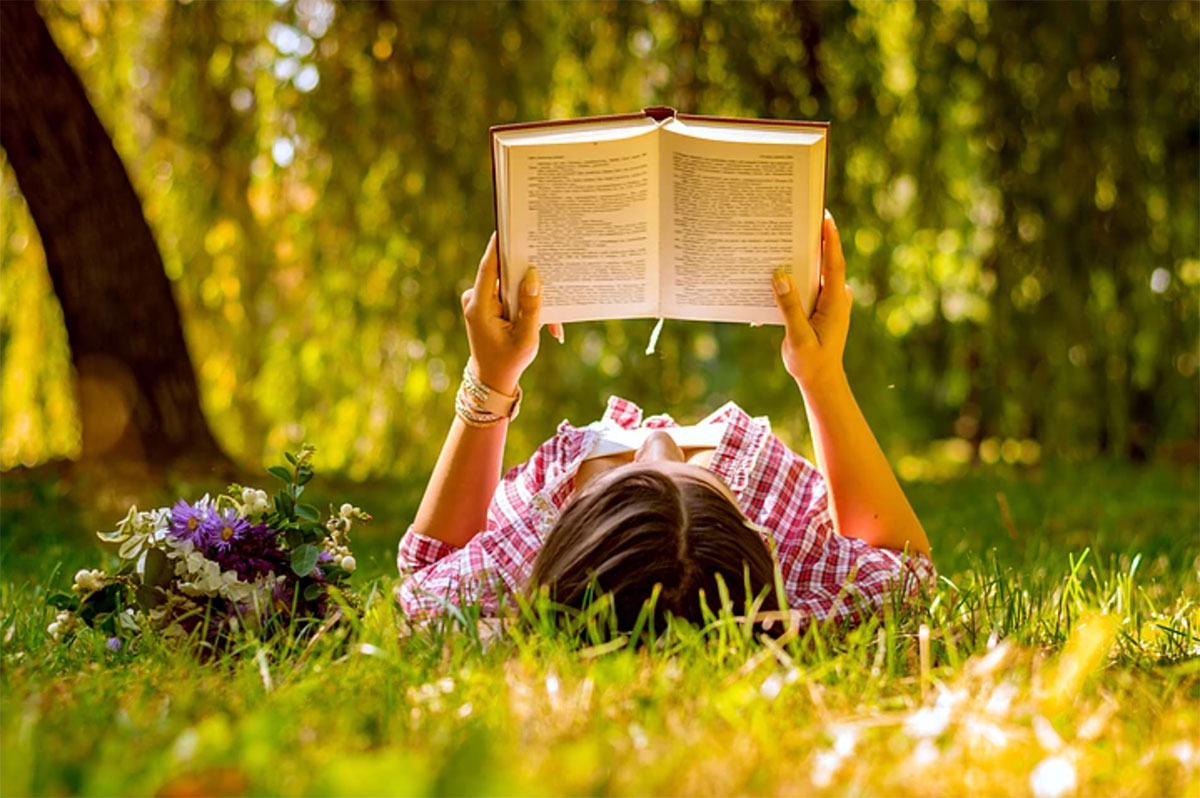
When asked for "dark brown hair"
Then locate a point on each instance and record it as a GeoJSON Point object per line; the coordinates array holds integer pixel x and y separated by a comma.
{"type": "Point", "coordinates": [641, 527]}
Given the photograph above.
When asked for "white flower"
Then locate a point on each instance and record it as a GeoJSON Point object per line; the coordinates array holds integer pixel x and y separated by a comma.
{"type": "Point", "coordinates": [771, 686]}
{"type": "Point", "coordinates": [346, 510]}
{"type": "Point", "coordinates": [63, 623]}
{"type": "Point", "coordinates": [254, 502]}
{"type": "Point", "coordinates": [1053, 777]}
{"type": "Point", "coordinates": [825, 765]}
{"type": "Point", "coordinates": [927, 721]}
{"type": "Point", "coordinates": [349, 564]}
{"type": "Point", "coordinates": [87, 581]}
{"type": "Point", "coordinates": [925, 754]}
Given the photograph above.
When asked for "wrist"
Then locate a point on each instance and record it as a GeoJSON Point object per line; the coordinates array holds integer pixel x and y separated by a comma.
{"type": "Point", "coordinates": [823, 385]}
{"type": "Point", "coordinates": [499, 380]}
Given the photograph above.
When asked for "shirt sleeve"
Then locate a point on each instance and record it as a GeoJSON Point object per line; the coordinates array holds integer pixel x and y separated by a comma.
{"type": "Point", "coordinates": [826, 574]}
{"type": "Point", "coordinates": [435, 576]}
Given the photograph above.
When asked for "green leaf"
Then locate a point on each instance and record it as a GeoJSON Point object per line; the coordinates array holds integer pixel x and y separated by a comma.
{"type": "Point", "coordinates": [293, 537]}
{"type": "Point", "coordinates": [64, 601]}
{"type": "Point", "coordinates": [158, 569]}
{"type": "Point", "coordinates": [281, 472]}
{"type": "Point", "coordinates": [149, 597]}
{"type": "Point", "coordinates": [307, 512]}
{"type": "Point", "coordinates": [312, 591]}
{"type": "Point", "coordinates": [291, 458]}
{"type": "Point", "coordinates": [304, 559]}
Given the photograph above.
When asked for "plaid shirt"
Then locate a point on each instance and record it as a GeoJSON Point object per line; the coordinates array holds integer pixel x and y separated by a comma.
{"type": "Point", "coordinates": [825, 574]}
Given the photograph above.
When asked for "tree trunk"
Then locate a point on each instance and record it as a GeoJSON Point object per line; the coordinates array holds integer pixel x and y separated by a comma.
{"type": "Point", "coordinates": [138, 400]}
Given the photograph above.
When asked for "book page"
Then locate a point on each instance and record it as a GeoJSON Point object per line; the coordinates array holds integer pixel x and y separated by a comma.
{"type": "Point", "coordinates": [585, 214]}
{"type": "Point", "coordinates": [733, 211]}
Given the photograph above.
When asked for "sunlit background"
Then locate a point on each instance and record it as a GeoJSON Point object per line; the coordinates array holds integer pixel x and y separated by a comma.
{"type": "Point", "coordinates": [1016, 186]}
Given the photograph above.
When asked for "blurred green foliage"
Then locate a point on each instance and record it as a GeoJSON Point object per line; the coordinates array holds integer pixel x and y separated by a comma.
{"type": "Point", "coordinates": [1016, 186]}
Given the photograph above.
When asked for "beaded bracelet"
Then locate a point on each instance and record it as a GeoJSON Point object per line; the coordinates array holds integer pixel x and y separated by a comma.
{"type": "Point", "coordinates": [479, 405]}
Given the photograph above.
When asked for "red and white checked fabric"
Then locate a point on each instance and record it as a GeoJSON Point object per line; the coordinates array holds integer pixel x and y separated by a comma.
{"type": "Point", "coordinates": [825, 575]}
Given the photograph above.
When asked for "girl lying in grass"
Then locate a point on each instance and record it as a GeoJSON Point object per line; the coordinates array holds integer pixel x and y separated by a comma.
{"type": "Point", "coordinates": [632, 503]}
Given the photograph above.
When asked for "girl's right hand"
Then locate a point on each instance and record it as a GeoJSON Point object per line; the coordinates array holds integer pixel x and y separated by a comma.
{"type": "Point", "coordinates": [501, 350]}
{"type": "Point", "coordinates": [813, 347]}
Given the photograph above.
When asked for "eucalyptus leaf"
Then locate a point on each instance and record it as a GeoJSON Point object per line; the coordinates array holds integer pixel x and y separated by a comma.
{"type": "Point", "coordinates": [307, 512]}
{"type": "Point", "coordinates": [304, 559]}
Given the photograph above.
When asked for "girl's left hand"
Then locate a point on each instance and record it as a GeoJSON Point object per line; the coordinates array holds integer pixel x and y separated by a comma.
{"type": "Point", "coordinates": [813, 347]}
{"type": "Point", "coordinates": [501, 350]}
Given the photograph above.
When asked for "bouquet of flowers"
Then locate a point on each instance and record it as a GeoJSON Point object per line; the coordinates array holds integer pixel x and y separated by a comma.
{"type": "Point", "coordinates": [209, 568]}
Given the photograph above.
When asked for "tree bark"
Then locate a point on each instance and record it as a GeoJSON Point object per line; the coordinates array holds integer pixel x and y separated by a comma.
{"type": "Point", "coordinates": [137, 393]}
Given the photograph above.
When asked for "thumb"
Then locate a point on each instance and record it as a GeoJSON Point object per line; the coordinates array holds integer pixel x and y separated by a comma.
{"type": "Point", "coordinates": [529, 306]}
{"type": "Point", "coordinates": [788, 300]}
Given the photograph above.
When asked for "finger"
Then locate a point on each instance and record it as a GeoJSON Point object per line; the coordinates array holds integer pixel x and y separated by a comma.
{"type": "Point", "coordinates": [466, 298]}
{"type": "Point", "coordinates": [788, 300]}
{"type": "Point", "coordinates": [833, 267]}
{"type": "Point", "coordinates": [529, 307]}
{"type": "Point", "coordinates": [485, 278]}
{"type": "Point", "coordinates": [556, 329]}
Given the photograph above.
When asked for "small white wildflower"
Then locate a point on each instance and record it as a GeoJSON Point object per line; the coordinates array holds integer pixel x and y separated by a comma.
{"type": "Point", "coordinates": [844, 740]}
{"type": "Point", "coordinates": [927, 722]}
{"type": "Point", "coordinates": [1046, 735]}
{"type": "Point", "coordinates": [248, 495]}
{"type": "Point", "coordinates": [771, 686]}
{"type": "Point", "coordinates": [465, 710]}
{"type": "Point", "coordinates": [1184, 752]}
{"type": "Point", "coordinates": [369, 650]}
{"type": "Point", "coordinates": [987, 732]}
{"type": "Point", "coordinates": [1053, 777]}
{"type": "Point", "coordinates": [54, 629]}
{"type": "Point", "coordinates": [349, 564]}
{"type": "Point", "coordinates": [1001, 699]}
{"type": "Point", "coordinates": [346, 510]}
{"type": "Point", "coordinates": [638, 737]}
{"type": "Point", "coordinates": [552, 685]}
{"type": "Point", "coordinates": [925, 754]}
{"type": "Point", "coordinates": [825, 765]}
{"type": "Point", "coordinates": [446, 684]}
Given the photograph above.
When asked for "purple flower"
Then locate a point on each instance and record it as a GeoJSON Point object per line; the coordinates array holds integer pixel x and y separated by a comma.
{"type": "Point", "coordinates": [187, 523]}
{"type": "Point", "coordinates": [255, 552]}
{"type": "Point", "coordinates": [113, 644]}
{"type": "Point", "coordinates": [224, 531]}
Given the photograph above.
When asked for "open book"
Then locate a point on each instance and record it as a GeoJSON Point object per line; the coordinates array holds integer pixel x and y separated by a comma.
{"type": "Point", "coordinates": [659, 214]}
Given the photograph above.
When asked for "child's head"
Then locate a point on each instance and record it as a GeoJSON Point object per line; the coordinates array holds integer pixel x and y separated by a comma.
{"type": "Point", "coordinates": [645, 523]}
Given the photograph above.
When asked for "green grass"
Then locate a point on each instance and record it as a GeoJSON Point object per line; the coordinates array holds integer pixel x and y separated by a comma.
{"type": "Point", "coordinates": [1043, 640]}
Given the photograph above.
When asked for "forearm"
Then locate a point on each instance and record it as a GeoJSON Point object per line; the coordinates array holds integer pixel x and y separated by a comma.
{"type": "Point", "coordinates": [865, 498]}
{"type": "Point", "coordinates": [454, 507]}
